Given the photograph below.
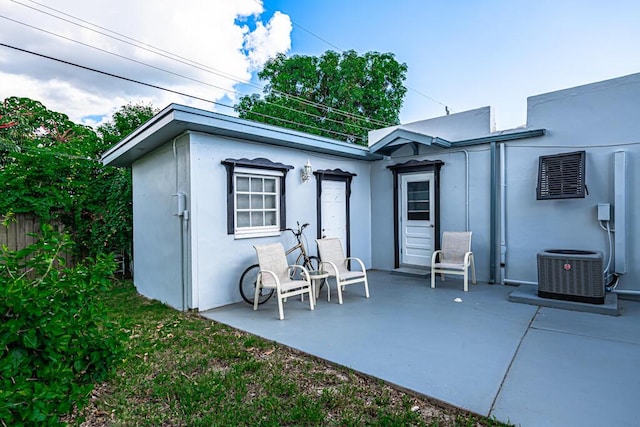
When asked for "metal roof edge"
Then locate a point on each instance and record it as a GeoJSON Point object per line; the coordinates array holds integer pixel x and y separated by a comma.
{"type": "Point", "coordinates": [501, 137]}
{"type": "Point", "coordinates": [181, 118]}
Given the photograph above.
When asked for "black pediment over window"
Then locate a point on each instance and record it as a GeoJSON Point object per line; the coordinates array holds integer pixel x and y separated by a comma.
{"type": "Point", "coordinates": [259, 163]}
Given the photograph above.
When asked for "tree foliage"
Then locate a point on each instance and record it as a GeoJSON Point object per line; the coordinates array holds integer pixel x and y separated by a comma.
{"type": "Point", "coordinates": [124, 121]}
{"type": "Point", "coordinates": [341, 96]}
{"type": "Point", "coordinates": [50, 167]}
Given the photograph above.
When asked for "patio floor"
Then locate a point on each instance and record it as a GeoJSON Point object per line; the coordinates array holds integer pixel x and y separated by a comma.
{"type": "Point", "coordinates": [529, 365]}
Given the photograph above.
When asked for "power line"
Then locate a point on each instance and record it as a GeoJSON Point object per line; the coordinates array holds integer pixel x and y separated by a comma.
{"type": "Point", "coordinates": [447, 110]}
{"type": "Point", "coordinates": [172, 56]}
{"type": "Point", "coordinates": [354, 137]}
{"type": "Point", "coordinates": [181, 75]}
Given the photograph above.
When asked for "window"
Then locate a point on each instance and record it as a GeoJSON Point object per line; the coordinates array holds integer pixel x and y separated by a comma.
{"type": "Point", "coordinates": [561, 176]}
{"type": "Point", "coordinates": [256, 203]}
{"type": "Point", "coordinates": [255, 197]}
{"type": "Point", "coordinates": [418, 201]}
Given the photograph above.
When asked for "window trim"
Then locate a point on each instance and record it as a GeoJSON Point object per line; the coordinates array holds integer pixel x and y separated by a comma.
{"type": "Point", "coordinates": [256, 175]}
{"type": "Point", "coordinates": [257, 166]}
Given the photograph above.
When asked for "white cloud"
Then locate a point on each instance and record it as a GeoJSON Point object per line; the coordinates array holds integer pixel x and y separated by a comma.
{"type": "Point", "coordinates": [266, 41]}
{"type": "Point", "coordinates": [216, 50]}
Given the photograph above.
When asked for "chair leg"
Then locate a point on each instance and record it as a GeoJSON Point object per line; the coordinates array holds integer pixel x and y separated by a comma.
{"type": "Point", "coordinates": [473, 270]}
{"type": "Point", "coordinates": [339, 291]}
{"type": "Point", "coordinates": [433, 278]}
{"type": "Point", "coordinates": [256, 293]}
{"type": "Point", "coordinates": [366, 287]}
{"type": "Point", "coordinates": [311, 297]}
{"type": "Point", "coordinates": [326, 282]}
{"type": "Point", "coordinates": [466, 279]}
{"type": "Point", "coordinates": [280, 308]}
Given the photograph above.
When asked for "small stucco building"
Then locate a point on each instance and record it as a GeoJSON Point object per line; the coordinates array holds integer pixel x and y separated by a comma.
{"type": "Point", "coordinates": [207, 187]}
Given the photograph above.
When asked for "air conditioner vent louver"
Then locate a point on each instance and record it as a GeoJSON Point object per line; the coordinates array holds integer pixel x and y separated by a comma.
{"type": "Point", "coordinates": [569, 274]}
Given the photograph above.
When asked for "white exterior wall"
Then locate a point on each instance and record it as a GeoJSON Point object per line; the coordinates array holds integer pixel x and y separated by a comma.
{"type": "Point", "coordinates": [157, 249]}
{"type": "Point", "coordinates": [600, 118]}
{"type": "Point", "coordinates": [218, 259]}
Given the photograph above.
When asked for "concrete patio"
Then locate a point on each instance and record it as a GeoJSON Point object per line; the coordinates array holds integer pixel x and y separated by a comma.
{"type": "Point", "coordinates": [528, 365]}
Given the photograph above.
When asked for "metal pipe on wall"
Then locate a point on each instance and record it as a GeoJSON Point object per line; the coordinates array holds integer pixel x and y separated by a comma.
{"type": "Point", "coordinates": [620, 211]}
{"type": "Point", "coordinates": [494, 248]}
{"type": "Point", "coordinates": [503, 213]}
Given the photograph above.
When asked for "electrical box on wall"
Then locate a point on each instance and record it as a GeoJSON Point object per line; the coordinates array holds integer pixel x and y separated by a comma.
{"type": "Point", "coordinates": [604, 212]}
{"type": "Point", "coordinates": [181, 203]}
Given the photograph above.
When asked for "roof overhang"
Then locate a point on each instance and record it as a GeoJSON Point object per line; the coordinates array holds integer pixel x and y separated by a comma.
{"type": "Point", "coordinates": [400, 137]}
{"type": "Point", "coordinates": [176, 119]}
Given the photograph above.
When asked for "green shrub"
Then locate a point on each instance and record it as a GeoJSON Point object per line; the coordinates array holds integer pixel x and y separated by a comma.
{"type": "Point", "coordinates": [56, 340]}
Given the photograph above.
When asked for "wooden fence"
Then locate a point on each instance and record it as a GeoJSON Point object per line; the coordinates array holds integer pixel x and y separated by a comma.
{"type": "Point", "coordinates": [17, 234]}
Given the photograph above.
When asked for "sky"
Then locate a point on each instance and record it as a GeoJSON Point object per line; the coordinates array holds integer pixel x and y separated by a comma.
{"type": "Point", "coordinates": [461, 54]}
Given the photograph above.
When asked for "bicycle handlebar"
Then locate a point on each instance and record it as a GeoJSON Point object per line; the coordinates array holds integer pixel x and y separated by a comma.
{"type": "Point", "coordinates": [300, 228]}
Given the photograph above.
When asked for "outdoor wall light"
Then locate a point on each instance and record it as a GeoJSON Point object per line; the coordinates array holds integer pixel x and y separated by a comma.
{"type": "Point", "coordinates": [306, 171]}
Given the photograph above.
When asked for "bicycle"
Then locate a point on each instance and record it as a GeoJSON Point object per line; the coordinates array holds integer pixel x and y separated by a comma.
{"type": "Point", "coordinates": [249, 277]}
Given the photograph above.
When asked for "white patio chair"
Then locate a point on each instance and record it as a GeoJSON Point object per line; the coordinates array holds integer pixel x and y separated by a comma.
{"type": "Point", "coordinates": [275, 273]}
{"type": "Point", "coordinates": [455, 258]}
{"type": "Point", "coordinates": [333, 261]}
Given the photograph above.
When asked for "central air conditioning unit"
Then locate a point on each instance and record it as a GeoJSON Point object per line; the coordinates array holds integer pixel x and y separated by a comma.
{"type": "Point", "coordinates": [572, 275]}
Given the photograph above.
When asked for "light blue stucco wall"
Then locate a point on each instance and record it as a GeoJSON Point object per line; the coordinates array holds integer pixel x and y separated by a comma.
{"type": "Point", "coordinates": [218, 259]}
{"type": "Point", "coordinates": [453, 202]}
{"type": "Point", "coordinates": [601, 119]}
{"type": "Point", "coordinates": [157, 230]}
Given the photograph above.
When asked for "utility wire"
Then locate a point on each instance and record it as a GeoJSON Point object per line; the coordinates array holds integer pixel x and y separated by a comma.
{"type": "Point", "coordinates": [447, 110]}
{"type": "Point", "coordinates": [354, 137]}
{"type": "Point", "coordinates": [178, 74]}
{"type": "Point", "coordinates": [167, 54]}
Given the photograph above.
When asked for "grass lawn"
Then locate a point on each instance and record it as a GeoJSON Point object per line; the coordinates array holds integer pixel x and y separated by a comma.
{"type": "Point", "coordinates": [182, 369]}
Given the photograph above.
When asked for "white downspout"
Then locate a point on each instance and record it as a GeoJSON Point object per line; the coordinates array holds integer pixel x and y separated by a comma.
{"type": "Point", "coordinates": [503, 223]}
{"type": "Point", "coordinates": [466, 190]}
{"type": "Point", "coordinates": [503, 212]}
{"type": "Point", "coordinates": [183, 214]}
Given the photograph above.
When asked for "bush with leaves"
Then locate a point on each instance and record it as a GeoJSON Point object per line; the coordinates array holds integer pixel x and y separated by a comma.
{"type": "Point", "coordinates": [56, 339]}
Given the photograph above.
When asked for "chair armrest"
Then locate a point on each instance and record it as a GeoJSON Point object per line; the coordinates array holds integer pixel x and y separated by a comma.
{"type": "Point", "coordinates": [434, 257]}
{"type": "Point", "coordinates": [305, 272]}
{"type": "Point", "coordinates": [467, 257]}
{"type": "Point", "coordinates": [272, 274]}
{"type": "Point", "coordinates": [332, 266]}
{"type": "Point", "coordinates": [356, 259]}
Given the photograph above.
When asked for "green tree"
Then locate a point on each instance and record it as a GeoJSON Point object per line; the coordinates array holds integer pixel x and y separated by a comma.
{"type": "Point", "coordinates": [124, 121]}
{"type": "Point", "coordinates": [341, 96]}
{"type": "Point", "coordinates": [50, 167]}
{"type": "Point", "coordinates": [116, 222]}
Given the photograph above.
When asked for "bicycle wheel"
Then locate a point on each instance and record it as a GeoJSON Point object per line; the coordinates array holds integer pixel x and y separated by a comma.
{"type": "Point", "coordinates": [248, 286]}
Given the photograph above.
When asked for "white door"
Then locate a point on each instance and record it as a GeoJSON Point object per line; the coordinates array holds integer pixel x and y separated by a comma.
{"type": "Point", "coordinates": [334, 211]}
{"type": "Point", "coordinates": [416, 219]}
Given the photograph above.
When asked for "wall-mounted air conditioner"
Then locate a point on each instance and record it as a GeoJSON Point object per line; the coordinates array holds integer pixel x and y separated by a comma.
{"type": "Point", "coordinates": [573, 275]}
